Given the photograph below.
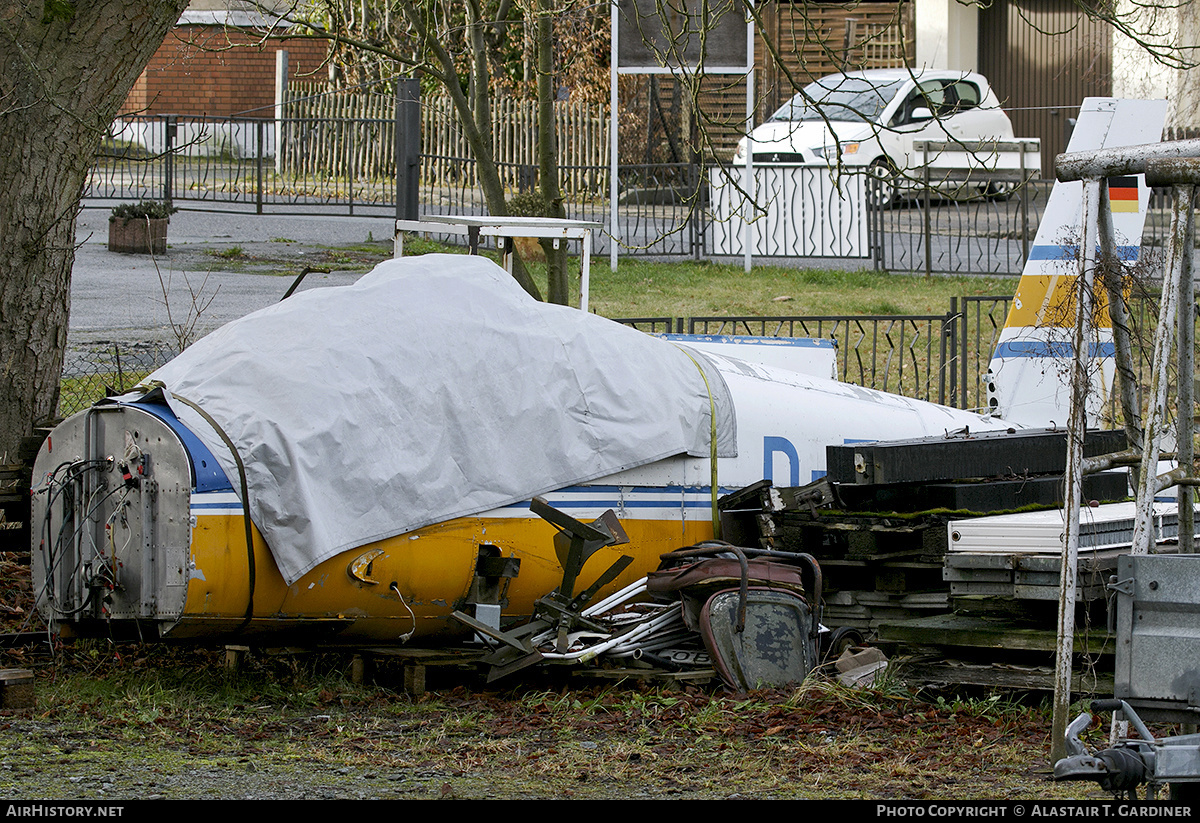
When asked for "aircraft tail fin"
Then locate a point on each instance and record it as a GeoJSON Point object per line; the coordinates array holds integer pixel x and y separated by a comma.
{"type": "Point", "coordinates": [1028, 378]}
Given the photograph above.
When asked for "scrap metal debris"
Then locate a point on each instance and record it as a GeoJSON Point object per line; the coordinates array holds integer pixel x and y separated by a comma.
{"type": "Point", "coordinates": [750, 614]}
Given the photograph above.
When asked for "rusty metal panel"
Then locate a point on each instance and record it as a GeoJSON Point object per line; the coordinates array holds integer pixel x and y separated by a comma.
{"type": "Point", "coordinates": [1043, 57]}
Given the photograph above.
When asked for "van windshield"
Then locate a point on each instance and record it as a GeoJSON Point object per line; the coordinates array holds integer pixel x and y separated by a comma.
{"type": "Point", "coordinates": [839, 98]}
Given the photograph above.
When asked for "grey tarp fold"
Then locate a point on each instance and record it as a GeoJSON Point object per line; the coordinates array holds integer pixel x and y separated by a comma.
{"type": "Point", "coordinates": [433, 388]}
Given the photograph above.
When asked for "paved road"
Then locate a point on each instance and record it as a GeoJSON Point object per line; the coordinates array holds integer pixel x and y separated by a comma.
{"type": "Point", "coordinates": [120, 297]}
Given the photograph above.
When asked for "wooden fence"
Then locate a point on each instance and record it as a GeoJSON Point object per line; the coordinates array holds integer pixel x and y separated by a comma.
{"type": "Point", "coordinates": [337, 134]}
{"type": "Point", "coordinates": [352, 133]}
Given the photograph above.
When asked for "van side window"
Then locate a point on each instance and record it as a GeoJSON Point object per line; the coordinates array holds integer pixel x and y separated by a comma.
{"type": "Point", "coordinates": [964, 94]}
{"type": "Point", "coordinates": [929, 95]}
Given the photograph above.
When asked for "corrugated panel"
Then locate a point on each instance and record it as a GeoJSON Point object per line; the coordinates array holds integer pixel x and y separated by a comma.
{"type": "Point", "coordinates": [1103, 527]}
{"type": "Point", "coordinates": [1042, 58]}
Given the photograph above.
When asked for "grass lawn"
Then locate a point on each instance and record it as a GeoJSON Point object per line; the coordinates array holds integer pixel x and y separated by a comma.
{"type": "Point", "coordinates": [161, 722]}
{"type": "Point", "coordinates": [696, 288]}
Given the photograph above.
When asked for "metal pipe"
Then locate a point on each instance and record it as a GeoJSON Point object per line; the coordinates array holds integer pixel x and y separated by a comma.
{"type": "Point", "coordinates": [633, 589]}
{"type": "Point", "coordinates": [1104, 462]}
{"type": "Point", "coordinates": [1092, 165]}
{"type": "Point", "coordinates": [1185, 403]}
{"type": "Point", "coordinates": [665, 635]}
{"type": "Point", "coordinates": [614, 236]}
{"type": "Point", "coordinates": [584, 655]}
{"type": "Point", "coordinates": [664, 640]}
{"type": "Point", "coordinates": [1156, 417]}
{"type": "Point", "coordinates": [1076, 431]}
{"type": "Point", "coordinates": [1173, 171]}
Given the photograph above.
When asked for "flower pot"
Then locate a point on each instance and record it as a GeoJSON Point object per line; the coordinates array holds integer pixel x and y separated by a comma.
{"type": "Point", "coordinates": [138, 235]}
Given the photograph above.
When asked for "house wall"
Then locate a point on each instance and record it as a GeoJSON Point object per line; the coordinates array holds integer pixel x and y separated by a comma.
{"type": "Point", "coordinates": [209, 70]}
{"type": "Point", "coordinates": [1185, 113]}
{"type": "Point", "coordinates": [1151, 61]}
{"type": "Point", "coordinates": [810, 39]}
{"type": "Point", "coordinates": [814, 39]}
{"type": "Point", "coordinates": [947, 35]}
{"type": "Point", "coordinates": [1043, 57]}
{"type": "Point", "coordinates": [1034, 48]}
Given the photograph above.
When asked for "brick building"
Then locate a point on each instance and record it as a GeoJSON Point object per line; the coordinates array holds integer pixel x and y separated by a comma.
{"type": "Point", "coordinates": [205, 67]}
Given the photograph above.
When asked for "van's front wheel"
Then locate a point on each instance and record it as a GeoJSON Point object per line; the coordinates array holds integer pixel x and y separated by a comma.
{"type": "Point", "coordinates": [999, 191]}
{"type": "Point", "coordinates": [881, 181]}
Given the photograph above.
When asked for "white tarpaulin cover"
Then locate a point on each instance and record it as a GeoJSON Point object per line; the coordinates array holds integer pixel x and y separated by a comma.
{"type": "Point", "coordinates": [432, 388]}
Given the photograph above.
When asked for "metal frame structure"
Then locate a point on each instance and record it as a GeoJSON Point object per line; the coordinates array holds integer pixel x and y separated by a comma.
{"type": "Point", "coordinates": [1176, 164]}
{"type": "Point", "coordinates": [508, 228]}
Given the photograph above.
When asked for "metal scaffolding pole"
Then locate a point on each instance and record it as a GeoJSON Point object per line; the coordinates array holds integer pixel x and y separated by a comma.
{"type": "Point", "coordinates": [1162, 163]}
{"type": "Point", "coordinates": [1076, 432]}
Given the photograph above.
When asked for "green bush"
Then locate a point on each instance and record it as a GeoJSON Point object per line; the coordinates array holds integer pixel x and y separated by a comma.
{"type": "Point", "coordinates": [140, 211]}
{"type": "Point", "coordinates": [528, 204]}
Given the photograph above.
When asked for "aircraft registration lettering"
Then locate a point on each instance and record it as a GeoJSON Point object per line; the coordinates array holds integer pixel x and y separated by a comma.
{"type": "Point", "coordinates": [773, 445]}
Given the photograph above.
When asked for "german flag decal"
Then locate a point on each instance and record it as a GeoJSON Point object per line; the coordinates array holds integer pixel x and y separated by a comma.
{"type": "Point", "coordinates": [1123, 194]}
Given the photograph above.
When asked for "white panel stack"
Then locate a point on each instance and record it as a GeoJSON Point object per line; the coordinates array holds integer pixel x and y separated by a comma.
{"type": "Point", "coordinates": [1109, 526]}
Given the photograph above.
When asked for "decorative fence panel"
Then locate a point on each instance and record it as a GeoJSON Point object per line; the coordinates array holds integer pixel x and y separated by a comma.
{"type": "Point", "coordinates": [945, 236]}
{"type": "Point", "coordinates": [798, 211]}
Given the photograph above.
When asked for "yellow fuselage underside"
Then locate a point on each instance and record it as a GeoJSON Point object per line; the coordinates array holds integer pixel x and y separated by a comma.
{"type": "Point", "coordinates": [410, 583]}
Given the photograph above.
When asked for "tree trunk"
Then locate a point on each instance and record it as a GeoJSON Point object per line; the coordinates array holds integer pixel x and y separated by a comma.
{"type": "Point", "coordinates": [473, 114]}
{"type": "Point", "coordinates": [65, 70]}
{"type": "Point", "coordinates": [557, 284]}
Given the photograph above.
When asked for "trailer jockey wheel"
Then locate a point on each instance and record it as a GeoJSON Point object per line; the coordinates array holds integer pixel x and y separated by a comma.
{"type": "Point", "coordinates": [1125, 770]}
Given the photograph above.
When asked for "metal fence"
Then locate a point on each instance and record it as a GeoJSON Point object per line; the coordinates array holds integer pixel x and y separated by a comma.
{"type": "Point", "coordinates": [91, 374]}
{"type": "Point", "coordinates": [240, 164]}
{"type": "Point", "coordinates": [664, 209]}
{"type": "Point", "coordinates": [902, 354]}
{"type": "Point", "coordinates": [235, 163]}
{"type": "Point", "coordinates": [979, 320]}
{"type": "Point", "coordinates": [917, 356]}
{"type": "Point", "coordinates": [913, 355]}
{"type": "Point", "coordinates": [941, 358]}
{"type": "Point", "coordinates": [981, 235]}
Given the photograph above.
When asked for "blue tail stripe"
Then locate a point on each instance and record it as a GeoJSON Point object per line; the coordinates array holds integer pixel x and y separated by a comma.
{"type": "Point", "coordinates": [1051, 348]}
{"type": "Point", "coordinates": [1071, 252]}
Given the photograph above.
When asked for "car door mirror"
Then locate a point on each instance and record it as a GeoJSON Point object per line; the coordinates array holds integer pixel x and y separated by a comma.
{"type": "Point", "coordinates": [922, 113]}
